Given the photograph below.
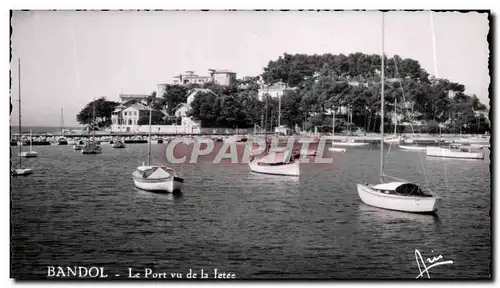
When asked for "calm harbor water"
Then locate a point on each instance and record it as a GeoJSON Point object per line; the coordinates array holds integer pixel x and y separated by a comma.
{"type": "Point", "coordinates": [84, 210]}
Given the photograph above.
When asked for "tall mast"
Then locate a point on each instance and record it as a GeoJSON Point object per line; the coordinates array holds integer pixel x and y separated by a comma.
{"type": "Point", "coordinates": [279, 111]}
{"type": "Point", "coordinates": [149, 140]}
{"type": "Point", "coordinates": [31, 141]}
{"type": "Point", "coordinates": [62, 121]}
{"type": "Point", "coordinates": [19, 91]}
{"type": "Point", "coordinates": [333, 125]}
{"type": "Point", "coordinates": [434, 45]}
{"type": "Point", "coordinates": [93, 120]}
{"type": "Point", "coordinates": [395, 116]}
{"type": "Point", "coordinates": [265, 124]}
{"type": "Point", "coordinates": [382, 109]}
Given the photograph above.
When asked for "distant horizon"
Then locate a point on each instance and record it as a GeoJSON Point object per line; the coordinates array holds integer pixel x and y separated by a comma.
{"type": "Point", "coordinates": [71, 57]}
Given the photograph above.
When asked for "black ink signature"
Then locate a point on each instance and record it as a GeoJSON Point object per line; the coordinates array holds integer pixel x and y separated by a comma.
{"type": "Point", "coordinates": [423, 268]}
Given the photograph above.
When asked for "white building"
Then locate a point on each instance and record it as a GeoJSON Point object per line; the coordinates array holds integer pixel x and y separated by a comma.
{"type": "Point", "coordinates": [190, 78]}
{"type": "Point", "coordinates": [221, 77]}
{"type": "Point", "coordinates": [125, 117]}
{"type": "Point", "coordinates": [275, 90]}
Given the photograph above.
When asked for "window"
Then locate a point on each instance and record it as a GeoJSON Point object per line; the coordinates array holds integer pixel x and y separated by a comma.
{"type": "Point", "coordinates": [114, 121]}
{"type": "Point", "coordinates": [129, 122]}
{"type": "Point", "coordinates": [125, 113]}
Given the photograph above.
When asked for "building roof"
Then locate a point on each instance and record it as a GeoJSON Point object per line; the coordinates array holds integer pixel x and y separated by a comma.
{"type": "Point", "coordinates": [133, 96]}
{"type": "Point", "coordinates": [222, 71]}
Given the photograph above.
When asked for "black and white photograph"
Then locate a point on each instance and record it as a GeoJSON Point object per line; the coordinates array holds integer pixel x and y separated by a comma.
{"type": "Point", "coordinates": [225, 145]}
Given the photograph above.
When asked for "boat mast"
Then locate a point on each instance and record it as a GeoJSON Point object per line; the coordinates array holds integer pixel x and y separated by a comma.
{"type": "Point", "coordinates": [62, 121]}
{"type": "Point", "coordinates": [265, 123]}
{"type": "Point", "coordinates": [395, 117]}
{"type": "Point", "coordinates": [382, 109]}
{"type": "Point", "coordinates": [333, 125]}
{"type": "Point", "coordinates": [93, 121]}
{"type": "Point", "coordinates": [149, 140]}
{"type": "Point", "coordinates": [19, 91]}
{"type": "Point", "coordinates": [434, 45]}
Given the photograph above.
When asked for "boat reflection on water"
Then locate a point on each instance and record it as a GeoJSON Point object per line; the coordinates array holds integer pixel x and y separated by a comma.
{"type": "Point", "coordinates": [177, 196]}
{"type": "Point", "coordinates": [369, 214]}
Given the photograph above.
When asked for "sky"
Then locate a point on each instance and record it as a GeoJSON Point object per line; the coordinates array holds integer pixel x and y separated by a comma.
{"type": "Point", "coordinates": [70, 57]}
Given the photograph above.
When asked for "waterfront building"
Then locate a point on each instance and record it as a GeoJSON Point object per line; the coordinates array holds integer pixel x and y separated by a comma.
{"type": "Point", "coordinates": [275, 90]}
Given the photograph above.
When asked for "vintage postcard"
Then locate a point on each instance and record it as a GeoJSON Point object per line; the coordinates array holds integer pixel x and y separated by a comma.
{"type": "Point", "coordinates": [250, 145]}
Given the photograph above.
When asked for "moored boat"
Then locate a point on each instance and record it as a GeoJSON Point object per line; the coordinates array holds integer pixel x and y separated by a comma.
{"type": "Point", "coordinates": [118, 144]}
{"type": "Point", "coordinates": [334, 149]}
{"type": "Point", "coordinates": [157, 179]}
{"type": "Point", "coordinates": [412, 147]}
{"type": "Point", "coordinates": [400, 196]}
{"type": "Point", "coordinates": [276, 163]}
{"type": "Point", "coordinates": [31, 153]}
{"type": "Point", "coordinates": [456, 151]}
{"type": "Point", "coordinates": [20, 170]}
{"type": "Point", "coordinates": [91, 148]}
{"type": "Point", "coordinates": [350, 143]}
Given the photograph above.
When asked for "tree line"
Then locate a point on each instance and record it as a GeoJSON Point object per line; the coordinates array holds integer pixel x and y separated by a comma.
{"type": "Point", "coordinates": [325, 83]}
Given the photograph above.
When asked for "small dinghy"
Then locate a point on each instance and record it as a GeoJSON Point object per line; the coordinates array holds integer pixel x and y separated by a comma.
{"type": "Point", "coordinates": [21, 171]}
{"type": "Point", "coordinates": [31, 153]}
{"type": "Point", "coordinates": [91, 148]}
{"type": "Point", "coordinates": [157, 179]}
{"type": "Point", "coordinates": [118, 144]}
{"type": "Point", "coordinates": [281, 163]}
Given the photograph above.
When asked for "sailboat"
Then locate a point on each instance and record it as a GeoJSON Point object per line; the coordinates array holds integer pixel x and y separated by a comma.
{"type": "Point", "coordinates": [92, 147]}
{"type": "Point", "coordinates": [280, 161]}
{"type": "Point", "coordinates": [62, 140]}
{"type": "Point", "coordinates": [350, 142]}
{"type": "Point", "coordinates": [31, 153]}
{"type": "Point", "coordinates": [156, 178]}
{"type": "Point", "coordinates": [393, 138]}
{"type": "Point", "coordinates": [455, 150]}
{"type": "Point", "coordinates": [400, 196]}
{"type": "Point", "coordinates": [118, 143]}
{"type": "Point", "coordinates": [333, 149]}
{"type": "Point", "coordinates": [20, 170]}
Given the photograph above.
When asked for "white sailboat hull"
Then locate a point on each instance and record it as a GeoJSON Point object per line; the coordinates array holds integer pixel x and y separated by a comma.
{"type": "Point", "coordinates": [391, 140]}
{"type": "Point", "coordinates": [398, 203]}
{"type": "Point", "coordinates": [350, 144]}
{"type": "Point", "coordinates": [29, 154]}
{"type": "Point", "coordinates": [292, 169]}
{"type": "Point", "coordinates": [333, 149]}
{"type": "Point", "coordinates": [21, 171]}
{"type": "Point", "coordinates": [158, 185]}
{"type": "Point", "coordinates": [448, 153]}
{"type": "Point", "coordinates": [413, 148]}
